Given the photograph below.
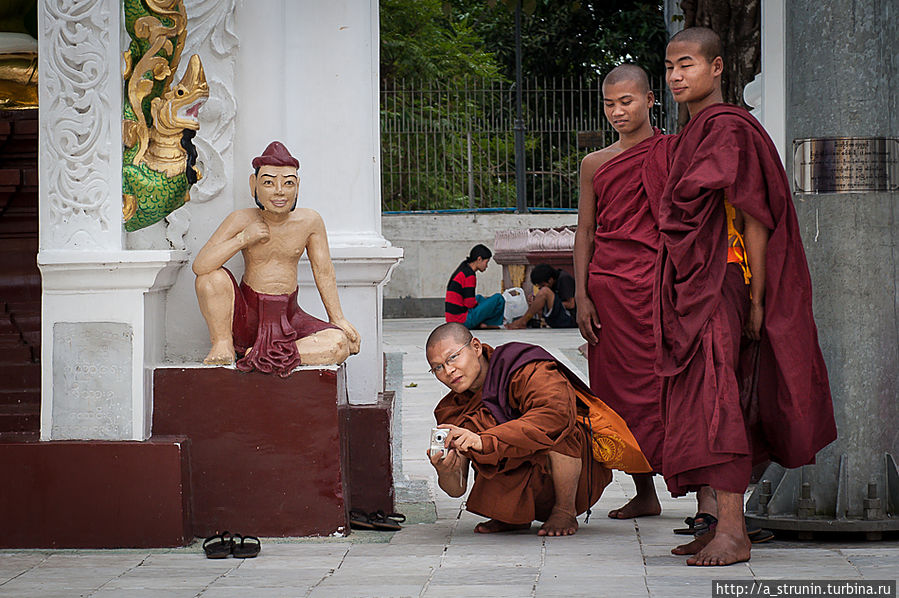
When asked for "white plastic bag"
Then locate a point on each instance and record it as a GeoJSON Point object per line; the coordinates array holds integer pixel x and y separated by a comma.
{"type": "Point", "coordinates": [516, 304]}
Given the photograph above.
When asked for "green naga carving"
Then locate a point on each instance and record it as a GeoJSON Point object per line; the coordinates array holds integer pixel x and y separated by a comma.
{"type": "Point", "coordinates": [159, 119]}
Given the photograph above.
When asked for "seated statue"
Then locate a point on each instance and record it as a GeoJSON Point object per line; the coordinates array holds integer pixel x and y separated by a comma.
{"type": "Point", "coordinates": [259, 318]}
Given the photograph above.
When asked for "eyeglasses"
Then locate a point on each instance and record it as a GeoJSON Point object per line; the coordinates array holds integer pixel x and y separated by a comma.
{"type": "Point", "coordinates": [438, 369]}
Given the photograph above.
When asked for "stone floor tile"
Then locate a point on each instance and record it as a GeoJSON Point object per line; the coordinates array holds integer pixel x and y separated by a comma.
{"type": "Point", "coordinates": [366, 591]}
{"type": "Point", "coordinates": [479, 591]}
{"type": "Point", "coordinates": [680, 587]}
{"type": "Point", "coordinates": [484, 575]}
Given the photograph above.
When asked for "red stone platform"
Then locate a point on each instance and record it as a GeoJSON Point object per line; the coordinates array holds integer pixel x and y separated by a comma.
{"type": "Point", "coordinates": [265, 451]}
{"type": "Point", "coordinates": [95, 494]}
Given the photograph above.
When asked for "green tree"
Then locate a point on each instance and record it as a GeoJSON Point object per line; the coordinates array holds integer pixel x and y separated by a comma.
{"type": "Point", "coordinates": [423, 41]}
{"type": "Point", "coordinates": [570, 38]}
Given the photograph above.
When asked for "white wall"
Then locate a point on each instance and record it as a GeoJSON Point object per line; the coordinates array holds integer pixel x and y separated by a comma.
{"type": "Point", "coordinates": [434, 244]}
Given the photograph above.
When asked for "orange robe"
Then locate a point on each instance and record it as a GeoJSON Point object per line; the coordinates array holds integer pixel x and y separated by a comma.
{"type": "Point", "coordinates": [512, 482]}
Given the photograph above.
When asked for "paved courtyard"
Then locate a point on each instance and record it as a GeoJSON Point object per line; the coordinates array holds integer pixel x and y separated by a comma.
{"type": "Point", "coordinates": [436, 554]}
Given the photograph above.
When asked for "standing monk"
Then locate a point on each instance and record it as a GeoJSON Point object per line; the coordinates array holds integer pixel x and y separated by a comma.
{"type": "Point", "coordinates": [615, 250]}
{"type": "Point", "coordinates": [743, 378]}
{"type": "Point", "coordinates": [540, 443]}
{"type": "Point", "coordinates": [260, 318]}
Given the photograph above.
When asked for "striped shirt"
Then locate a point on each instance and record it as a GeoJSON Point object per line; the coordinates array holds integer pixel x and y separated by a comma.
{"type": "Point", "coordinates": [460, 293]}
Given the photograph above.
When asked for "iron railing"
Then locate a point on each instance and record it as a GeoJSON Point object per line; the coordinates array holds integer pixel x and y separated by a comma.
{"type": "Point", "coordinates": [449, 147]}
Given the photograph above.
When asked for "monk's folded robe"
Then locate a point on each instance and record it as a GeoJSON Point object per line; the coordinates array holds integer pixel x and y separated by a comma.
{"type": "Point", "coordinates": [620, 279]}
{"type": "Point", "coordinates": [537, 411]}
{"type": "Point", "coordinates": [711, 436]}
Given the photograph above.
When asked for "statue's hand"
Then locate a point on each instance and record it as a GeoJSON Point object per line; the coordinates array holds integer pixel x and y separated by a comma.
{"type": "Point", "coordinates": [351, 334]}
{"type": "Point", "coordinates": [256, 232]}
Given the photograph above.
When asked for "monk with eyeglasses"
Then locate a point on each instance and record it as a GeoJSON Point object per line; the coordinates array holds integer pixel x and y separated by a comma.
{"type": "Point", "coordinates": [541, 444]}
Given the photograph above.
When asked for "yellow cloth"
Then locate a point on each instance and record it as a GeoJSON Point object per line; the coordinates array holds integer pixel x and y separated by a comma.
{"type": "Point", "coordinates": [736, 250]}
{"type": "Point", "coordinates": [613, 444]}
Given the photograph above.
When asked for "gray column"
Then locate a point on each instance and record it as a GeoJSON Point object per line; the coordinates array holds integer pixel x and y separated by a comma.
{"type": "Point", "coordinates": [840, 62]}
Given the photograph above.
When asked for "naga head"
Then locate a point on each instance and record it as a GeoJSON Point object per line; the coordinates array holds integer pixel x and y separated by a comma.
{"type": "Point", "coordinates": [179, 107]}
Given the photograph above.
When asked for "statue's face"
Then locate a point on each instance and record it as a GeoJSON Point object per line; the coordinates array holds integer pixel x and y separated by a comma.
{"type": "Point", "coordinates": [275, 187]}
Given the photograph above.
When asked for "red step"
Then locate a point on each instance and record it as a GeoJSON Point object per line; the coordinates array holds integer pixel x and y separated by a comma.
{"type": "Point", "coordinates": [26, 396]}
{"type": "Point", "coordinates": [15, 376]}
{"type": "Point", "coordinates": [13, 349]}
{"type": "Point", "coordinates": [20, 418]}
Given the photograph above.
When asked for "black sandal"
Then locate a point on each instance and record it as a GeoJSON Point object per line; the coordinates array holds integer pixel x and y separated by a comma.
{"type": "Point", "coordinates": [249, 547]}
{"type": "Point", "coordinates": [387, 523]}
{"type": "Point", "coordinates": [360, 520]}
{"type": "Point", "coordinates": [218, 547]}
{"type": "Point", "coordinates": [699, 525]}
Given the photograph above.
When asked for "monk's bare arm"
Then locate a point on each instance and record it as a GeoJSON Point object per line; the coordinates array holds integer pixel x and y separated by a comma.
{"type": "Point", "coordinates": [534, 307]}
{"type": "Point", "coordinates": [755, 237]}
{"type": "Point", "coordinates": [325, 278]}
{"type": "Point", "coordinates": [238, 231]}
{"type": "Point", "coordinates": [452, 472]}
{"type": "Point", "coordinates": [587, 318]}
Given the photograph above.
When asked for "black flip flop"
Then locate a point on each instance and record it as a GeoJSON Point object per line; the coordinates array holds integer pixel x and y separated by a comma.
{"type": "Point", "coordinates": [360, 520]}
{"type": "Point", "coordinates": [386, 523]}
{"type": "Point", "coordinates": [758, 535]}
{"type": "Point", "coordinates": [218, 547]}
{"type": "Point", "coordinates": [699, 524]}
{"type": "Point", "coordinates": [248, 547]}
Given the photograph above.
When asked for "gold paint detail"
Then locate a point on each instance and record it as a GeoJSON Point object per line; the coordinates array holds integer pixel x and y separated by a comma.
{"type": "Point", "coordinates": [129, 206]}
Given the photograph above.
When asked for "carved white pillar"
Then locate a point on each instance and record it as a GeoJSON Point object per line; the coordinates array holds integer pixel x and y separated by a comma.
{"type": "Point", "coordinates": [307, 75]}
{"type": "Point", "coordinates": [102, 308]}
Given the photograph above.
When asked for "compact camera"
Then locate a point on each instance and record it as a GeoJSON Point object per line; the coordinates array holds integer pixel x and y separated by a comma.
{"type": "Point", "coordinates": [438, 437]}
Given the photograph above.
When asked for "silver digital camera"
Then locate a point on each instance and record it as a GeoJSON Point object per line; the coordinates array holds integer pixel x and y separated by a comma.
{"type": "Point", "coordinates": [438, 438]}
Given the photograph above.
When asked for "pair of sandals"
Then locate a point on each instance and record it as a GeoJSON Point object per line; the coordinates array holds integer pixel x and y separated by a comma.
{"type": "Point", "coordinates": [226, 544]}
{"type": "Point", "coordinates": [702, 523]}
{"type": "Point", "coordinates": [377, 520]}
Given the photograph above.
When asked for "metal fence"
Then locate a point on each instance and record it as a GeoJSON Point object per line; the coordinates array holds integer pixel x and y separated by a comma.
{"type": "Point", "coordinates": [452, 148]}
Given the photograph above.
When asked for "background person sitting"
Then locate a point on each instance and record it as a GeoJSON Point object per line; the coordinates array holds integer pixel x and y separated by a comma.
{"type": "Point", "coordinates": [554, 299]}
{"type": "Point", "coordinates": [462, 304]}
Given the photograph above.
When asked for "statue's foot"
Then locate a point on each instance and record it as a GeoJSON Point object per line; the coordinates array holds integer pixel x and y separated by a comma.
{"type": "Point", "coordinates": [220, 354]}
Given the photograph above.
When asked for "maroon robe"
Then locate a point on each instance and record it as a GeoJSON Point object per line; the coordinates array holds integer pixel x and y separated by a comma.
{"type": "Point", "coordinates": [620, 281]}
{"type": "Point", "coordinates": [786, 413]}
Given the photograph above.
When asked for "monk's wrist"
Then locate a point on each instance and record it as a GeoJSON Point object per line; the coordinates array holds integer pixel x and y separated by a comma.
{"type": "Point", "coordinates": [241, 238]}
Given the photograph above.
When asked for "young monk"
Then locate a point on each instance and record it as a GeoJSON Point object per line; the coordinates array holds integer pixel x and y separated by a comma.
{"type": "Point", "coordinates": [731, 265]}
{"type": "Point", "coordinates": [540, 443]}
{"type": "Point", "coordinates": [615, 249]}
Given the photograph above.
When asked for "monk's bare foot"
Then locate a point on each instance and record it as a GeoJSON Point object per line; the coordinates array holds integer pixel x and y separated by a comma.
{"type": "Point", "coordinates": [639, 506]}
{"type": "Point", "coordinates": [495, 526]}
{"type": "Point", "coordinates": [723, 549]}
{"type": "Point", "coordinates": [559, 523]}
{"type": "Point", "coordinates": [220, 354]}
{"type": "Point", "coordinates": [695, 546]}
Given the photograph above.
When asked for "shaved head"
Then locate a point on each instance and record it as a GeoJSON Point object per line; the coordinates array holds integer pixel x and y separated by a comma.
{"type": "Point", "coordinates": [628, 72]}
{"type": "Point", "coordinates": [709, 42]}
{"type": "Point", "coordinates": [450, 330]}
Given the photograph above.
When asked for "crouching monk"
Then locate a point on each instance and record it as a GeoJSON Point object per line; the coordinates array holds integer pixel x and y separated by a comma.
{"type": "Point", "coordinates": [542, 446]}
{"type": "Point", "coordinates": [259, 319]}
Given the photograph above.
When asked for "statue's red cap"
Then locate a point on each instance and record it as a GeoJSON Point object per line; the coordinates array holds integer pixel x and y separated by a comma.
{"type": "Point", "coordinates": [275, 155]}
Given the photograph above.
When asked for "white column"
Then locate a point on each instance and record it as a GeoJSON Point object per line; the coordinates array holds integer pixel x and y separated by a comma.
{"type": "Point", "coordinates": [101, 303]}
{"type": "Point", "coordinates": [767, 92]}
{"type": "Point", "coordinates": [307, 75]}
